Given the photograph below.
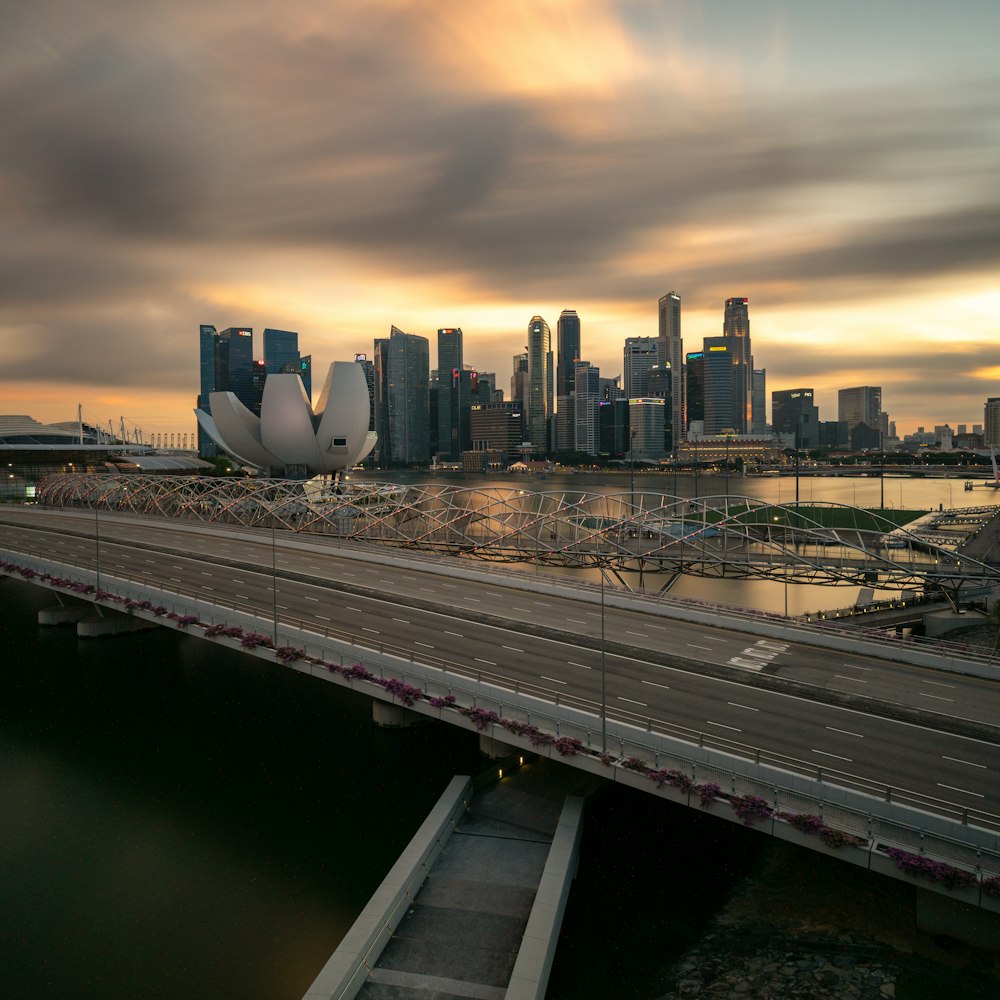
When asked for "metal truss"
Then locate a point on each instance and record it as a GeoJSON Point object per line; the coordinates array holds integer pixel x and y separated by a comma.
{"type": "Point", "coordinates": [715, 536]}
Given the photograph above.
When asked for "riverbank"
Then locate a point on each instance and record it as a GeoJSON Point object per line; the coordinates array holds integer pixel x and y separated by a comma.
{"type": "Point", "coordinates": [801, 925]}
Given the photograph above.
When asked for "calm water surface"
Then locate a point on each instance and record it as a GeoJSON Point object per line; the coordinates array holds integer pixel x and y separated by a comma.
{"type": "Point", "coordinates": [180, 820]}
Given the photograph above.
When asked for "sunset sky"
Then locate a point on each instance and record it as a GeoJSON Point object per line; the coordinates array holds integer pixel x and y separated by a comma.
{"type": "Point", "coordinates": [337, 166]}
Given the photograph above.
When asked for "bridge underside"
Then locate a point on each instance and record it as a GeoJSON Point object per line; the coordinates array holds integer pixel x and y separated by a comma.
{"type": "Point", "coordinates": [722, 537]}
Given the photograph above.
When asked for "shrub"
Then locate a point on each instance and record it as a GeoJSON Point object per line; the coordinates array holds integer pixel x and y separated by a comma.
{"type": "Point", "coordinates": [708, 793]}
{"type": "Point", "coordinates": [251, 640]}
{"type": "Point", "coordinates": [406, 693]}
{"type": "Point", "coordinates": [750, 808]}
{"type": "Point", "coordinates": [288, 654]}
{"type": "Point", "coordinates": [446, 701]}
{"type": "Point", "coordinates": [635, 764]}
{"type": "Point", "coordinates": [568, 746]}
{"type": "Point", "coordinates": [920, 866]}
{"type": "Point", "coordinates": [481, 717]}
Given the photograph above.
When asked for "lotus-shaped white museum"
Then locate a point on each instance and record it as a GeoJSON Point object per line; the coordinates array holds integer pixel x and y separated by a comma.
{"type": "Point", "coordinates": [289, 433]}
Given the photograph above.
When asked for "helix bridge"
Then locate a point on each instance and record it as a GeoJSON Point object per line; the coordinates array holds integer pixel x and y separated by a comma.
{"type": "Point", "coordinates": [627, 531]}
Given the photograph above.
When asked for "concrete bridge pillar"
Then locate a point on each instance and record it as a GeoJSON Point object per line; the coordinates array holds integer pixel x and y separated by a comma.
{"type": "Point", "coordinates": [937, 914]}
{"type": "Point", "coordinates": [65, 614]}
{"type": "Point", "coordinates": [386, 715]}
{"type": "Point", "coordinates": [495, 749]}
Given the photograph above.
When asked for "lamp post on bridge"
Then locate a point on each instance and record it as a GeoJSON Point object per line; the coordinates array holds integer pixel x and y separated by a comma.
{"type": "Point", "coordinates": [97, 543]}
{"type": "Point", "coordinates": [604, 673]}
{"type": "Point", "coordinates": [274, 581]}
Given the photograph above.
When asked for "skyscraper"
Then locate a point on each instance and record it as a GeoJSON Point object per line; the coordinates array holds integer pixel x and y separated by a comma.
{"type": "Point", "coordinates": [402, 379]}
{"type": "Point", "coordinates": [568, 352]}
{"type": "Point", "coordinates": [539, 350]}
{"type": "Point", "coordinates": [720, 368]}
{"type": "Point", "coordinates": [234, 364]}
{"type": "Point", "coordinates": [449, 361]}
{"type": "Point", "coordinates": [861, 404]}
{"type": "Point", "coordinates": [759, 407]}
{"type": "Point", "coordinates": [694, 388]}
{"type": "Point", "coordinates": [671, 351]}
{"type": "Point", "coordinates": [641, 353]}
{"type": "Point", "coordinates": [280, 348]}
{"type": "Point", "coordinates": [519, 380]}
{"type": "Point", "coordinates": [991, 422]}
{"type": "Point", "coordinates": [736, 329]}
{"type": "Point", "coordinates": [794, 412]}
{"type": "Point", "coordinates": [586, 398]}
{"type": "Point", "coordinates": [207, 338]}
{"type": "Point", "coordinates": [369, 369]}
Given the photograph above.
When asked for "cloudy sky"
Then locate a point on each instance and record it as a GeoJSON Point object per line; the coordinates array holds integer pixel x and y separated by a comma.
{"type": "Point", "coordinates": [337, 166]}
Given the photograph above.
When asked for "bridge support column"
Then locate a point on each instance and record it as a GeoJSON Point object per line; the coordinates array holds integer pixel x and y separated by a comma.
{"type": "Point", "coordinates": [385, 715]}
{"type": "Point", "coordinates": [937, 914]}
{"type": "Point", "coordinates": [495, 749]}
{"type": "Point", "coordinates": [65, 614]}
{"type": "Point", "coordinates": [109, 622]}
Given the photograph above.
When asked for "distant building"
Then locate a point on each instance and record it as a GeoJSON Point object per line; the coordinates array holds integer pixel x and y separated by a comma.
{"type": "Point", "coordinates": [519, 380]}
{"type": "Point", "coordinates": [736, 330]}
{"type": "Point", "coordinates": [497, 427]}
{"type": "Point", "coordinates": [449, 362]}
{"type": "Point", "coordinates": [402, 397]}
{"type": "Point", "coordinates": [641, 353]}
{"type": "Point", "coordinates": [991, 422]}
{"type": "Point", "coordinates": [759, 407]}
{"type": "Point", "coordinates": [586, 397]}
{"type": "Point", "coordinates": [567, 354]}
{"type": "Point", "coordinates": [694, 388]}
{"type": "Point", "coordinates": [721, 369]}
{"type": "Point", "coordinates": [860, 405]}
{"type": "Point", "coordinates": [646, 428]}
{"type": "Point", "coordinates": [612, 420]}
{"type": "Point", "coordinates": [369, 370]}
{"type": "Point", "coordinates": [834, 435]}
{"type": "Point", "coordinates": [795, 416]}
{"type": "Point", "coordinates": [540, 396]}
{"type": "Point", "coordinates": [671, 351]}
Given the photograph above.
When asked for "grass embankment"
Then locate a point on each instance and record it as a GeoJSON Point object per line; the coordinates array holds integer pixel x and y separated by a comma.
{"type": "Point", "coordinates": [807, 516]}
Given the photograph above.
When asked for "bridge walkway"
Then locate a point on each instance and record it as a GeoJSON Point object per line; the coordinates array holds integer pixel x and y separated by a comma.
{"type": "Point", "coordinates": [462, 934]}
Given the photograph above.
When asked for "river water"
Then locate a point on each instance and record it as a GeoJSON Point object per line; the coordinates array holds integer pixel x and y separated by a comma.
{"type": "Point", "coordinates": [180, 820]}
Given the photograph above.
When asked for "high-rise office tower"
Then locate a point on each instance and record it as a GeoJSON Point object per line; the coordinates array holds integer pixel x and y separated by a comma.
{"type": "Point", "coordinates": [234, 364]}
{"type": "Point", "coordinates": [449, 361]}
{"type": "Point", "coordinates": [567, 354]}
{"type": "Point", "coordinates": [519, 381]}
{"type": "Point", "coordinates": [860, 405]}
{"type": "Point", "coordinates": [641, 353]}
{"type": "Point", "coordinates": [207, 338]}
{"type": "Point", "coordinates": [281, 347]}
{"type": "Point", "coordinates": [369, 370]}
{"type": "Point", "coordinates": [720, 367]}
{"type": "Point", "coordinates": [694, 388]}
{"type": "Point", "coordinates": [758, 409]}
{"type": "Point", "coordinates": [736, 329]}
{"type": "Point", "coordinates": [991, 422]}
{"type": "Point", "coordinates": [671, 351]}
{"type": "Point", "coordinates": [646, 421]}
{"type": "Point", "coordinates": [794, 412]}
{"type": "Point", "coordinates": [660, 385]}
{"type": "Point", "coordinates": [539, 382]}
{"type": "Point", "coordinates": [586, 397]}
{"type": "Point", "coordinates": [402, 386]}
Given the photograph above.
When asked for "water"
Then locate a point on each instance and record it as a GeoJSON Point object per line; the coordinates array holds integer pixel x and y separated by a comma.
{"type": "Point", "coordinates": [181, 820]}
{"type": "Point", "coordinates": [899, 493]}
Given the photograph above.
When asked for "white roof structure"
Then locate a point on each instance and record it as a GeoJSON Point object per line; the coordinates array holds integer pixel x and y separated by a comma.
{"type": "Point", "coordinates": [288, 431]}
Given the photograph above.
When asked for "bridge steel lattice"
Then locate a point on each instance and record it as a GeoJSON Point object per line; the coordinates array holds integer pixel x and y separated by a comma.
{"type": "Point", "coordinates": [712, 536]}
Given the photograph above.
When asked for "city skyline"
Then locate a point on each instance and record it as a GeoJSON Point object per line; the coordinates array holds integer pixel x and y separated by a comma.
{"type": "Point", "coordinates": [340, 169]}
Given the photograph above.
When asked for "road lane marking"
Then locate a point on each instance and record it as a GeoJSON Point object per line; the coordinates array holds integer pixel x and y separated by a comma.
{"type": "Point", "coordinates": [853, 680]}
{"type": "Point", "coordinates": [845, 732]}
{"type": "Point", "coordinates": [642, 635]}
{"type": "Point", "coordinates": [708, 649]}
{"type": "Point", "coordinates": [593, 614]}
{"type": "Point", "coordinates": [573, 663]}
{"type": "Point", "coordinates": [939, 684]}
{"type": "Point", "coordinates": [855, 666]}
{"type": "Point", "coordinates": [365, 628]}
{"type": "Point", "coordinates": [459, 634]}
{"type": "Point", "coordinates": [576, 621]}
{"type": "Point", "coordinates": [323, 617]}
{"type": "Point", "coordinates": [964, 791]}
{"type": "Point", "coordinates": [712, 638]}
{"type": "Point", "coordinates": [175, 579]}
{"type": "Point", "coordinates": [541, 604]}
{"type": "Point", "coordinates": [403, 620]}
{"type": "Point", "coordinates": [490, 662]}
{"type": "Point", "coordinates": [666, 687]}
{"type": "Point", "coordinates": [737, 661]}
{"type": "Point", "coordinates": [823, 753]}
{"type": "Point", "coordinates": [958, 760]}
{"type": "Point", "coordinates": [308, 598]}
{"type": "Point", "coordinates": [736, 704]}
{"type": "Point", "coordinates": [203, 572]}
{"type": "Point", "coordinates": [242, 597]}
{"type": "Point", "coordinates": [284, 607]}
{"type": "Point", "coordinates": [722, 725]}
{"type": "Point", "coordinates": [524, 611]}
{"type": "Point", "coordinates": [514, 648]}
{"type": "Point", "coordinates": [555, 680]}
{"type": "Point", "coordinates": [426, 645]}
{"type": "Point", "coordinates": [358, 610]}
{"type": "Point", "coordinates": [475, 600]}
{"type": "Point", "coordinates": [449, 586]}
{"type": "Point", "coordinates": [211, 589]}
{"type": "Point", "coordinates": [936, 697]}
{"type": "Point", "coordinates": [632, 701]}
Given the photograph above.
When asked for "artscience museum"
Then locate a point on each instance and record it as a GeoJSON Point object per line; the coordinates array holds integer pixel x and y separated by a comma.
{"type": "Point", "coordinates": [290, 439]}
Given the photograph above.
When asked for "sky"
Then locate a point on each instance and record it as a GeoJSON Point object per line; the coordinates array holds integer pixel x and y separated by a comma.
{"type": "Point", "coordinates": [339, 166]}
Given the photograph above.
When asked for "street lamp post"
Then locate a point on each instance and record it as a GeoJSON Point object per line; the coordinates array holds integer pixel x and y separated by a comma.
{"type": "Point", "coordinates": [604, 674]}
{"type": "Point", "coordinates": [274, 582]}
{"type": "Point", "coordinates": [97, 544]}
